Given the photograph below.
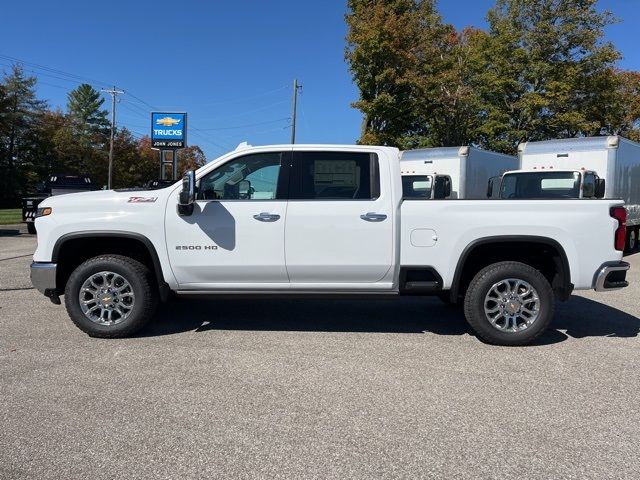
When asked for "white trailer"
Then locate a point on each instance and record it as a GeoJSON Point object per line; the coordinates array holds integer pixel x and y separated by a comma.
{"type": "Point", "coordinates": [468, 170]}
{"type": "Point", "coordinates": [613, 159]}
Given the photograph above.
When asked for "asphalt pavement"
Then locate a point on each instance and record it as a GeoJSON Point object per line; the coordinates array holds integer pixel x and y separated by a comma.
{"type": "Point", "coordinates": [315, 389]}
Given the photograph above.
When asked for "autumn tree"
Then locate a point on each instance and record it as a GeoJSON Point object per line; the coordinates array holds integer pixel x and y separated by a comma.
{"type": "Point", "coordinates": [383, 59]}
{"type": "Point", "coordinates": [622, 116]}
{"type": "Point", "coordinates": [413, 72]}
{"type": "Point", "coordinates": [190, 158]}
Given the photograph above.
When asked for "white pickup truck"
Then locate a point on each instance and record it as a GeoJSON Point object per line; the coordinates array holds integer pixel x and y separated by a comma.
{"type": "Point", "coordinates": [323, 220]}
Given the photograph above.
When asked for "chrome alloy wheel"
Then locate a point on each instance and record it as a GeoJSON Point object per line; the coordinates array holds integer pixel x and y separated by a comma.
{"type": "Point", "coordinates": [106, 298]}
{"type": "Point", "coordinates": [512, 305]}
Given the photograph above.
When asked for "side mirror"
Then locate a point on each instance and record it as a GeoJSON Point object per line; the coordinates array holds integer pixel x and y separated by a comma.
{"type": "Point", "coordinates": [244, 190]}
{"type": "Point", "coordinates": [188, 194]}
{"type": "Point", "coordinates": [600, 186]}
{"type": "Point", "coordinates": [441, 187]}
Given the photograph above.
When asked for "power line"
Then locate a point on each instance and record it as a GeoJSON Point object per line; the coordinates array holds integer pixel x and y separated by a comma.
{"type": "Point", "coordinates": [53, 70]}
{"type": "Point", "coordinates": [246, 125]}
{"type": "Point", "coordinates": [137, 109]}
{"type": "Point", "coordinates": [245, 99]}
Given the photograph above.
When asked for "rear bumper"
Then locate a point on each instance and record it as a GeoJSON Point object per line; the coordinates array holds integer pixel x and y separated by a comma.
{"type": "Point", "coordinates": [611, 276]}
{"type": "Point", "coordinates": [43, 277]}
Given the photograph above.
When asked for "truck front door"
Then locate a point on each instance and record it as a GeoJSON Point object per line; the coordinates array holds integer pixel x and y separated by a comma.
{"type": "Point", "coordinates": [235, 235]}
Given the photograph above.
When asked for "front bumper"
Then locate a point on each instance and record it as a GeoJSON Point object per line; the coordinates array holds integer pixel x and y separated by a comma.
{"type": "Point", "coordinates": [43, 278]}
{"type": "Point", "coordinates": [611, 276]}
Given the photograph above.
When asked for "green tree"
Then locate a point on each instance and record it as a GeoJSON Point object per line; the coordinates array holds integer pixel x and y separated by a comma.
{"type": "Point", "coordinates": [84, 108]}
{"type": "Point", "coordinates": [21, 112]}
{"type": "Point", "coordinates": [88, 129]}
{"type": "Point", "coordinates": [545, 72]}
{"type": "Point", "coordinates": [49, 128]}
{"type": "Point", "coordinates": [451, 117]}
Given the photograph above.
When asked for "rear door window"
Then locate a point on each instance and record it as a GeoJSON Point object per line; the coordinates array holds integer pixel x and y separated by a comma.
{"type": "Point", "coordinates": [335, 176]}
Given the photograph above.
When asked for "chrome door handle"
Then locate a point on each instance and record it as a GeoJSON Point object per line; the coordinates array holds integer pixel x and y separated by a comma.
{"type": "Point", "coordinates": [373, 217]}
{"type": "Point", "coordinates": [267, 217]}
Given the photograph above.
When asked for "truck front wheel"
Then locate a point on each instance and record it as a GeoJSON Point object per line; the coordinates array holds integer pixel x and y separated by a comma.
{"type": "Point", "coordinates": [31, 228]}
{"type": "Point", "coordinates": [509, 303]}
{"type": "Point", "coordinates": [110, 296]}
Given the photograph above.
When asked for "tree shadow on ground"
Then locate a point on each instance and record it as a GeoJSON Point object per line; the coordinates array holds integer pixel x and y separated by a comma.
{"type": "Point", "coordinates": [578, 318]}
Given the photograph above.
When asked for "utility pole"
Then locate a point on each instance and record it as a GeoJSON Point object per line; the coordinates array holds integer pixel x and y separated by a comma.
{"type": "Point", "coordinates": [293, 114]}
{"type": "Point", "coordinates": [114, 93]}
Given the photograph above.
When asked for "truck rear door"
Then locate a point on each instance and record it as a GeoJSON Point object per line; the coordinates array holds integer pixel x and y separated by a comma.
{"type": "Point", "coordinates": [339, 226]}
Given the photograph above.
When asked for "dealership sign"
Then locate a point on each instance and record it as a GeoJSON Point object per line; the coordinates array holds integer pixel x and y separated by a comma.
{"type": "Point", "coordinates": [168, 130]}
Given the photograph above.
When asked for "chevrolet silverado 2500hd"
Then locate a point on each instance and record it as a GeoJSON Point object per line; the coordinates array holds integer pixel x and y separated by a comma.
{"type": "Point", "coordinates": [321, 220]}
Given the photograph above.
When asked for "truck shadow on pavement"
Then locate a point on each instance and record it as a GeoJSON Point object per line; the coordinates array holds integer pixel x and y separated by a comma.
{"type": "Point", "coordinates": [9, 232]}
{"type": "Point", "coordinates": [578, 318]}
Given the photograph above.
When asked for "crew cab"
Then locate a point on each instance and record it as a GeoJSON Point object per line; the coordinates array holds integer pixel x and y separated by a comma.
{"type": "Point", "coordinates": [321, 220]}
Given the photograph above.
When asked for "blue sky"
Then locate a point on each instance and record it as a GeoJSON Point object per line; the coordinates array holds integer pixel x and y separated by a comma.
{"type": "Point", "coordinates": [230, 65]}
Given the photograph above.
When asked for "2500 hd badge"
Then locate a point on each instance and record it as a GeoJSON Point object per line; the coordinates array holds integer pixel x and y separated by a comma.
{"type": "Point", "coordinates": [196, 247]}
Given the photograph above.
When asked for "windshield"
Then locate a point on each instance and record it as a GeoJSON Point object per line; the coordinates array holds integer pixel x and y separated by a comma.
{"type": "Point", "coordinates": [540, 185]}
{"type": "Point", "coordinates": [417, 186]}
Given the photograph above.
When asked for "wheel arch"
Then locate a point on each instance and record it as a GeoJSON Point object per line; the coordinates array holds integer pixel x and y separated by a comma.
{"type": "Point", "coordinates": [106, 242]}
{"type": "Point", "coordinates": [512, 246]}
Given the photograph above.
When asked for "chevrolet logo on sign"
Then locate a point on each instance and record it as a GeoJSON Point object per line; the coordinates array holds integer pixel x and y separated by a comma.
{"type": "Point", "coordinates": [168, 121]}
{"type": "Point", "coordinates": [168, 130]}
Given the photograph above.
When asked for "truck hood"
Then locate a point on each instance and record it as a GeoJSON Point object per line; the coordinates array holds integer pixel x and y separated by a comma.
{"type": "Point", "coordinates": [105, 199]}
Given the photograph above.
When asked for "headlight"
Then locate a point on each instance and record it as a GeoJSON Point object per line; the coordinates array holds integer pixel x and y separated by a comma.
{"type": "Point", "coordinates": [43, 212]}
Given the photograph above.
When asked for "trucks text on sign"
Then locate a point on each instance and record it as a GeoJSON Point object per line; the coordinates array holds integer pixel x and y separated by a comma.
{"type": "Point", "coordinates": [168, 130]}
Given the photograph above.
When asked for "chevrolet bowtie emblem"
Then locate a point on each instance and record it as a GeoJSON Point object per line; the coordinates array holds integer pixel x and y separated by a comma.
{"type": "Point", "coordinates": [168, 121]}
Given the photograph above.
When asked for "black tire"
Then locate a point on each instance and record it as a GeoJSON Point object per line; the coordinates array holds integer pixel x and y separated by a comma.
{"type": "Point", "coordinates": [142, 284]}
{"type": "Point", "coordinates": [31, 228]}
{"type": "Point", "coordinates": [632, 239]}
{"type": "Point", "coordinates": [482, 284]}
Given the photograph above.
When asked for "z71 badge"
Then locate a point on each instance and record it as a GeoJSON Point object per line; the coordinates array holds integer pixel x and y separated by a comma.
{"type": "Point", "coordinates": [142, 199]}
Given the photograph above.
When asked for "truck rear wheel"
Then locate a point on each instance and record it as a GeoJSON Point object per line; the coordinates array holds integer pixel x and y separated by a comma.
{"type": "Point", "coordinates": [110, 296]}
{"type": "Point", "coordinates": [509, 303]}
{"type": "Point", "coordinates": [31, 228]}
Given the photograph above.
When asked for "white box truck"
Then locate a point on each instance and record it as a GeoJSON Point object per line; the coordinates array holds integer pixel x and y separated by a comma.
{"type": "Point", "coordinates": [590, 167]}
{"type": "Point", "coordinates": [451, 172]}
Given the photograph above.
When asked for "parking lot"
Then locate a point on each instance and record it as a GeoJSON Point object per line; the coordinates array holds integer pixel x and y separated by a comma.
{"type": "Point", "coordinates": [315, 389]}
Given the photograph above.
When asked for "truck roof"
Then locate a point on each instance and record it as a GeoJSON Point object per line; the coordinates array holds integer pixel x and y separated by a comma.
{"type": "Point", "coordinates": [422, 153]}
{"type": "Point", "coordinates": [548, 170]}
{"type": "Point", "coordinates": [573, 144]}
{"type": "Point", "coordinates": [443, 152]}
{"type": "Point", "coordinates": [309, 146]}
